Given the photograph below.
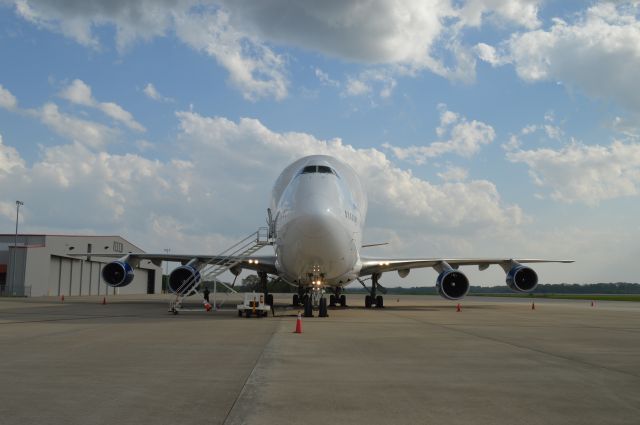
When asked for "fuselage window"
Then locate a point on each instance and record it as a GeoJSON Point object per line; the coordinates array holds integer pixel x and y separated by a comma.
{"type": "Point", "coordinates": [309, 169]}
{"type": "Point", "coordinates": [324, 169]}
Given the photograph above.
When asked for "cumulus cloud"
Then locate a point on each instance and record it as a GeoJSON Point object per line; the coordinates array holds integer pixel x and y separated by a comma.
{"type": "Point", "coordinates": [454, 174]}
{"type": "Point", "coordinates": [597, 52]}
{"type": "Point", "coordinates": [397, 191]}
{"type": "Point", "coordinates": [9, 159]}
{"type": "Point", "coordinates": [80, 93]}
{"type": "Point", "coordinates": [464, 138]}
{"type": "Point", "coordinates": [134, 20]}
{"type": "Point", "coordinates": [73, 187]}
{"type": "Point", "coordinates": [85, 132]}
{"type": "Point", "coordinates": [152, 93]}
{"type": "Point", "coordinates": [364, 84]}
{"type": "Point", "coordinates": [519, 12]}
{"type": "Point", "coordinates": [409, 36]}
{"type": "Point", "coordinates": [253, 67]}
{"type": "Point", "coordinates": [583, 173]}
{"type": "Point", "coordinates": [7, 99]}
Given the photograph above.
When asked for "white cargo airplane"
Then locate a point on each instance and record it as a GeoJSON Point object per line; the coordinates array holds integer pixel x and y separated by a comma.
{"type": "Point", "coordinates": [317, 213]}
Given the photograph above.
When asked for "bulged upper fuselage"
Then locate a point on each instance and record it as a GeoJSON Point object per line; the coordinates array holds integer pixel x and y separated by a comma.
{"type": "Point", "coordinates": [319, 207]}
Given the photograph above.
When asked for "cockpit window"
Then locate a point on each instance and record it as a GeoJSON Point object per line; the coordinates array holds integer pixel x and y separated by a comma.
{"type": "Point", "coordinates": [318, 169]}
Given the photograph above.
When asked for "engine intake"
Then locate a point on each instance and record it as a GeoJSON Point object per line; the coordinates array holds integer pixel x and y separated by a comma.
{"type": "Point", "coordinates": [452, 284]}
{"type": "Point", "coordinates": [117, 274]}
{"type": "Point", "coordinates": [522, 279]}
{"type": "Point", "coordinates": [183, 279]}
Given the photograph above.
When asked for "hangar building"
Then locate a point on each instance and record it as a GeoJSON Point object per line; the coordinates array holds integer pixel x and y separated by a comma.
{"type": "Point", "coordinates": [44, 266]}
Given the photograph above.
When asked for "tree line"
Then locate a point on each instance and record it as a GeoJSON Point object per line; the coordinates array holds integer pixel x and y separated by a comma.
{"type": "Point", "coordinates": [251, 283]}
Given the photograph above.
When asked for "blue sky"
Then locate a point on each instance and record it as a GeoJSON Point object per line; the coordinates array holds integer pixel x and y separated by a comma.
{"type": "Point", "coordinates": [480, 127]}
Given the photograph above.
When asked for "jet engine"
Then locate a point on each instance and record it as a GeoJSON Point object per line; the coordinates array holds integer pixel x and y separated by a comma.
{"type": "Point", "coordinates": [117, 274]}
{"type": "Point", "coordinates": [521, 278]}
{"type": "Point", "coordinates": [183, 279]}
{"type": "Point", "coordinates": [452, 284]}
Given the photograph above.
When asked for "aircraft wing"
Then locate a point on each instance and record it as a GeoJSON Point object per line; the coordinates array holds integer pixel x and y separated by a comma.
{"type": "Point", "coordinates": [265, 263]}
{"type": "Point", "coordinates": [380, 265]}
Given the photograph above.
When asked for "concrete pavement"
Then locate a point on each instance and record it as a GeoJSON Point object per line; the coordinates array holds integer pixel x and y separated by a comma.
{"type": "Point", "coordinates": [416, 361]}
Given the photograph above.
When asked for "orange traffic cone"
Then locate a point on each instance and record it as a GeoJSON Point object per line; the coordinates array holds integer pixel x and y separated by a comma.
{"type": "Point", "coordinates": [298, 325]}
{"type": "Point", "coordinates": [104, 300]}
{"type": "Point", "coordinates": [533, 306]}
{"type": "Point", "coordinates": [207, 306]}
{"type": "Point", "coordinates": [458, 308]}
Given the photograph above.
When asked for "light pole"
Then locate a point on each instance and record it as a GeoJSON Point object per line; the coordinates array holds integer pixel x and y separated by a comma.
{"type": "Point", "coordinates": [166, 264]}
{"type": "Point", "coordinates": [15, 247]}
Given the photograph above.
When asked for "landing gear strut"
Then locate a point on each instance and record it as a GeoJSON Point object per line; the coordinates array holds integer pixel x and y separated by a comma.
{"type": "Point", "coordinates": [337, 298]}
{"type": "Point", "coordinates": [373, 298]}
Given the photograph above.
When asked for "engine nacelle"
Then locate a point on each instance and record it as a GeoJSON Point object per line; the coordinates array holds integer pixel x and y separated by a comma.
{"type": "Point", "coordinates": [183, 279]}
{"type": "Point", "coordinates": [117, 274]}
{"type": "Point", "coordinates": [522, 279]}
{"type": "Point", "coordinates": [452, 284]}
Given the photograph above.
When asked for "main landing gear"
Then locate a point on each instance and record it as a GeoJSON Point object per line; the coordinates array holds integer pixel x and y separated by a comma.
{"type": "Point", "coordinates": [337, 298]}
{"type": "Point", "coordinates": [373, 298]}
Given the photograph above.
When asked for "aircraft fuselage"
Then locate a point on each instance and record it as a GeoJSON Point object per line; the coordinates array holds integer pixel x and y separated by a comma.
{"type": "Point", "coordinates": [319, 206]}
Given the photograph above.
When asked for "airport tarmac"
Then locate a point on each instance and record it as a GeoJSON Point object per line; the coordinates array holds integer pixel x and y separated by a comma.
{"type": "Point", "coordinates": [416, 361]}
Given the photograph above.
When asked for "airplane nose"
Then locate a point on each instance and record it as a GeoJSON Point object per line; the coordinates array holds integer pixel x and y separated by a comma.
{"type": "Point", "coordinates": [316, 218]}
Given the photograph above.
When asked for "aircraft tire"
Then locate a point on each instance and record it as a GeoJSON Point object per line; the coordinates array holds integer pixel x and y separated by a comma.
{"type": "Point", "coordinates": [296, 300]}
{"type": "Point", "coordinates": [379, 301]}
{"type": "Point", "coordinates": [343, 300]}
{"type": "Point", "coordinates": [367, 301]}
{"type": "Point", "coordinates": [308, 307]}
{"type": "Point", "coordinates": [332, 301]}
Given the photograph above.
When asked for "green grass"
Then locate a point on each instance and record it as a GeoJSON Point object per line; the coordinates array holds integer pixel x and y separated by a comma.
{"type": "Point", "coordinates": [595, 297]}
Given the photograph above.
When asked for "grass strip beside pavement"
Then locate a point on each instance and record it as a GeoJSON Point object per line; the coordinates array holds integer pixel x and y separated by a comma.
{"type": "Point", "coordinates": [594, 297]}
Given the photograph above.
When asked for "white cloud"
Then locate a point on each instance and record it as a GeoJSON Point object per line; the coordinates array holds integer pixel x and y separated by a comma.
{"type": "Point", "coordinates": [465, 138]}
{"type": "Point", "coordinates": [412, 36]}
{"type": "Point", "coordinates": [9, 159]}
{"type": "Point", "coordinates": [520, 12]}
{"type": "Point", "coordinates": [454, 174]}
{"type": "Point", "coordinates": [7, 99]}
{"type": "Point", "coordinates": [582, 173]}
{"type": "Point", "coordinates": [357, 87]}
{"type": "Point", "coordinates": [152, 93]}
{"type": "Point", "coordinates": [73, 188]}
{"type": "Point", "coordinates": [599, 52]}
{"type": "Point", "coordinates": [253, 67]}
{"type": "Point", "coordinates": [85, 132]}
{"type": "Point", "coordinates": [325, 79]}
{"type": "Point", "coordinates": [251, 146]}
{"type": "Point", "coordinates": [133, 20]}
{"type": "Point", "coordinates": [365, 82]}
{"type": "Point", "coordinates": [80, 93]}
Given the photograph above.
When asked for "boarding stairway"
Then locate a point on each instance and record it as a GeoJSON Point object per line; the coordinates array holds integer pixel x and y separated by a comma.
{"type": "Point", "coordinates": [226, 260]}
